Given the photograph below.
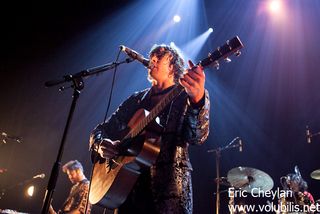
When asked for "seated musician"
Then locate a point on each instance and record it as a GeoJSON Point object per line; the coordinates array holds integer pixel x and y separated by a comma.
{"type": "Point", "coordinates": [77, 200]}
{"type": "Point", "coordinates": [166, 186]}
{"type": "Point", "coordinates": [299, 188]}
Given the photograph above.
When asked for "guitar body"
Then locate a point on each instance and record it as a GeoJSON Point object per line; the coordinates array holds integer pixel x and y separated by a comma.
{"type": "Point", "coordinates": [110, 186]}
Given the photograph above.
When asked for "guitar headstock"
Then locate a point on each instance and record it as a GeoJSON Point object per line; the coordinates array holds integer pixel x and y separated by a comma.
{"type": "Point", "coordinates": [231, 46]}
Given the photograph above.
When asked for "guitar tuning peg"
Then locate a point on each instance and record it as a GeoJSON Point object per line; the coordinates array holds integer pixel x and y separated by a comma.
{"type": "Point", "coordinates": [227, 59]}
{"type": "Point", "coordinates": [237, 53]}
{"type": "Point", "coordinates": [216, 65]}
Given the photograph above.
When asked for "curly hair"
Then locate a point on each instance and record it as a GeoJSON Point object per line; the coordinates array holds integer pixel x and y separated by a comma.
{"type": "Point", "coordinates": [175, 59]}
{"type": "Point", "coordinates": [302, 184]}
{"type": "Point", "coordinates": [294, 178]}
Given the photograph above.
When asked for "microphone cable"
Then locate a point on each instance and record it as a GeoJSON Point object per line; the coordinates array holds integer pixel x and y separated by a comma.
{"type": "Point", "coordinates": [104, 119]}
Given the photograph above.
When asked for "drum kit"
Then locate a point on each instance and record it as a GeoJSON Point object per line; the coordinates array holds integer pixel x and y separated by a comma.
{"type": "Point", "coordinates": [246, 180]}
{"type": "Point", "coordinates": [251, 181]}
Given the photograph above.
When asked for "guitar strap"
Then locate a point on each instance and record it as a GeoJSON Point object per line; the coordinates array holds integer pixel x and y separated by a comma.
{"type": "Point", "coordinates": [147, 92]}
{"type": "Point", "coordinates": [146, 97]}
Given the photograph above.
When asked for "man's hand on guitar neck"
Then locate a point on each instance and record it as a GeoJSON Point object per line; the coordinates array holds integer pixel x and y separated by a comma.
{"type": "Point", "coordinates": [193, 81]}
{"type": "Point", "coordinates": [108, 148]}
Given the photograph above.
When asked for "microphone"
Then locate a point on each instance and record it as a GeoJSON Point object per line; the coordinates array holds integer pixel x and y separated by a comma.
{"type": "Point", "coordinates": [14, 138]}
{"type": "Point", "coordinates": [135, 55]}
{"type": "Point", "coordinates": [308, 135]}
{"type": "Point", "coordinates": [42, 175]}
{"type": "Point", "coordinates": [240, 145]}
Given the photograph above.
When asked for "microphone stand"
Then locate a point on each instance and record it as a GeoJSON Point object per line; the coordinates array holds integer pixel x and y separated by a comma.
{"type": "Point", "coordinates": [5, 137]}
{"type": "Point", "coordinates": [77, 85]}
{"type": "Point", "coordinates": [217, 153]}
{"type": "Point", "coordinates": [310, 135]}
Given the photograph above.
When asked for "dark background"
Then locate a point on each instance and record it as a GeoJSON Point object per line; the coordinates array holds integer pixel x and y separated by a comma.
{"type": "Point", "coordinates": [267, 96]}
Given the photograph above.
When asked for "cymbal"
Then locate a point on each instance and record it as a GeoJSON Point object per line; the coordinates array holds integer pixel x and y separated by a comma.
{"type": "Point", "coordinates": [315, 174]}
{"type": "Point", "coordinates": [250, 179]}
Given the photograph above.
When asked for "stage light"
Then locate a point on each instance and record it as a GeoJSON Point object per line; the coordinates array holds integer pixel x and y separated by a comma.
{"type": "Point", "coordinates": [30, 191]}
{"type": "Point", "coordinates": [275, 6]}
{"type": "Point", "coordinates": [172, 44]}
{"type": "Point", "coordinates": [176, 18]}
{"type": "Point", "coordinates": [192, 48]}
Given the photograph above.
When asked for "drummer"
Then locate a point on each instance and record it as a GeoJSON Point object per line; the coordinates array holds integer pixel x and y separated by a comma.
{"type": "Point", "coordinates": [295, 183]}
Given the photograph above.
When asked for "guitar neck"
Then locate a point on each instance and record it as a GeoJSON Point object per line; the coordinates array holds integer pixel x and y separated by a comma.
{"type": "Point", "coordinates": [231, 46]}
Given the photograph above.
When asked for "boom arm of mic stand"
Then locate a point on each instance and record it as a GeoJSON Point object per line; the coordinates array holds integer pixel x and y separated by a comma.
{"type": "Point", "coordinates": [228, 146]}
{"type": "Point", "coordinates": [87, 72]}
{"type": "Point", "coordinates": [315, 134]}
{"type": "Point", "coordinates": [222, 148]}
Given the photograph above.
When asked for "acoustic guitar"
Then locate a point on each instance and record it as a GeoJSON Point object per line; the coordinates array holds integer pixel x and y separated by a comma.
{"type": "Point", "coordinates": [113, 180]}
